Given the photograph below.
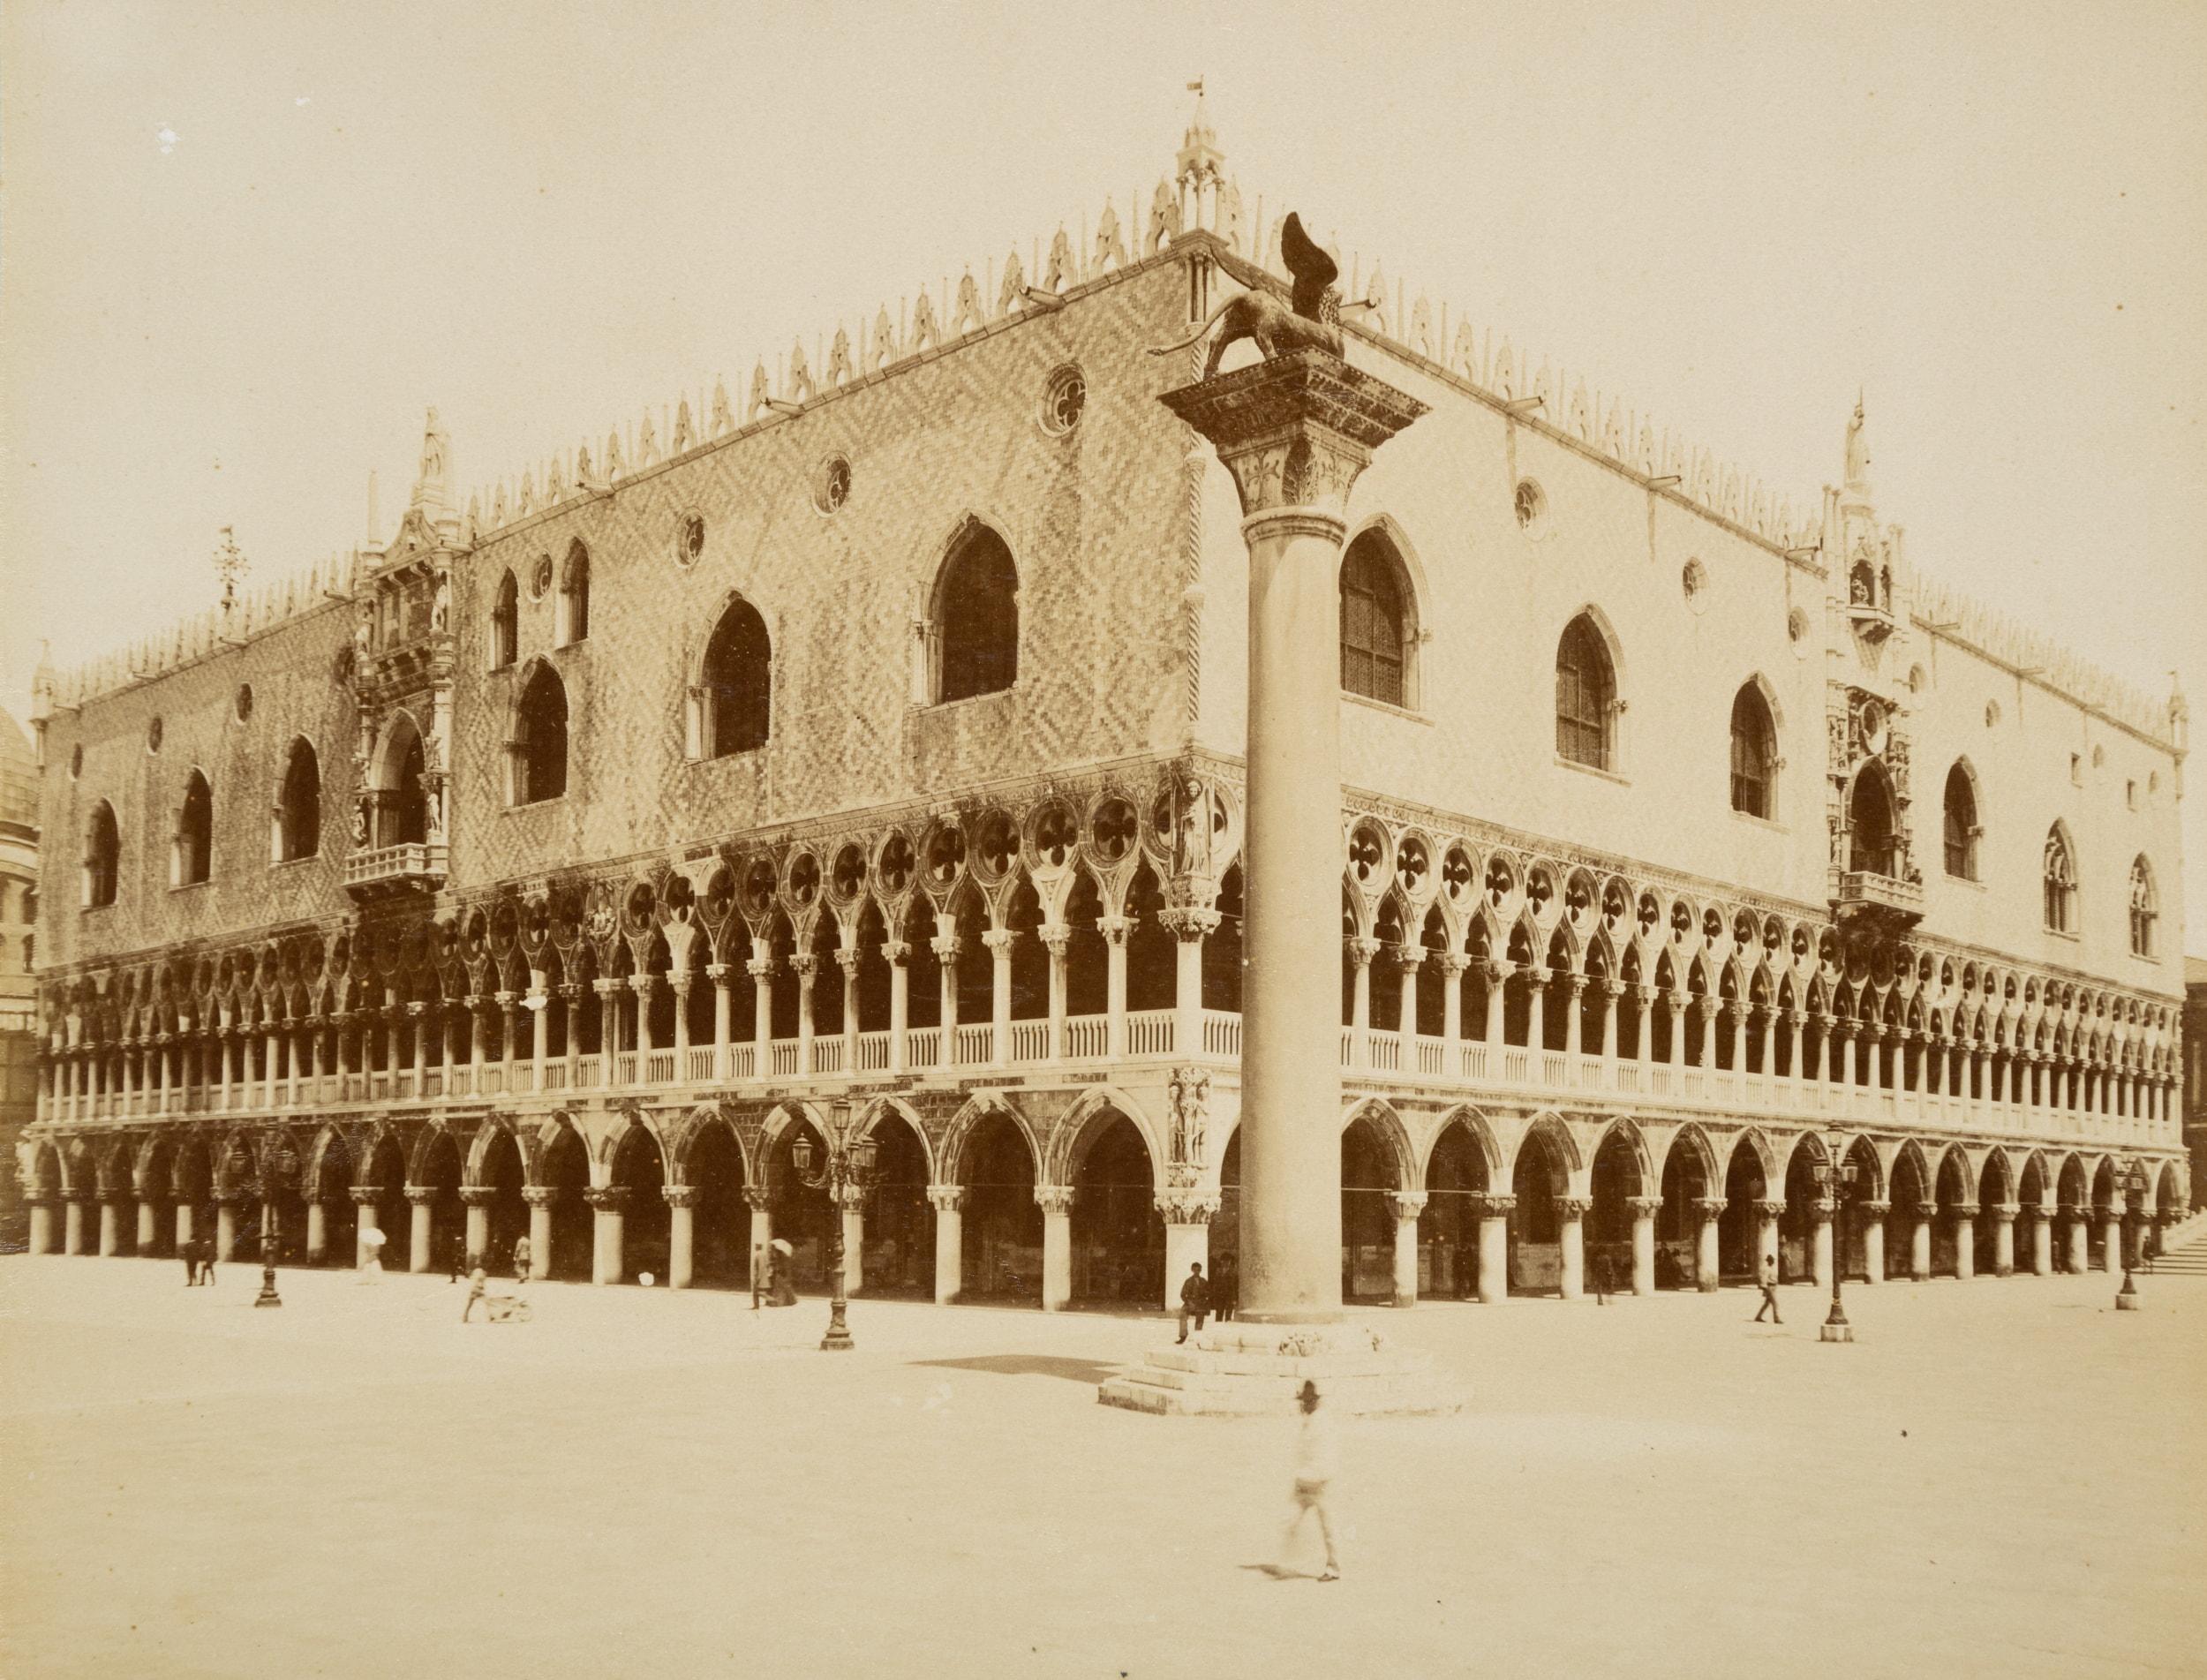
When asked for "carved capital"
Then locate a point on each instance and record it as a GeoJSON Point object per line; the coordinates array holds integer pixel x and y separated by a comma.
{"type": "Point", "coordinates": [1188, 921]}
{"type": "Point", "coordinates": [1710, 1207]}
{"type": "Point", "coordinates": [946, 1198]}
{"type": "Point", "coordinates": [759, 967]}
{"type": "Point", "coordinates": [1187, 1208]}
{"type": "Point", "coordinates": [607, 1198]}
{"type": "Point", "coordinates": [1644, 1207]}
{"type": "Point", "coordinates": [540, 1195]}
{"type": "Point", "coordinates": [1115, 927]}
{"type": "Point", "coordinates": [680, 1195]}
{"type": "Point", "coordinates": [1055, 938]}
{"type": "Point", "coordinates": [1054, 1199]}
{"type": "Point", "coordinates": [1497, 1206]}
{"type": "Point", "coordinates": [719, 973]}
{"type": "Point", "coordinates": [1770, 1207]}
{"type": "Point", "coordinates": [895, 950]}
{"type": "Point", "coordinates": [1295, 431]}
{"type": "Point", "coordinates": [1363, 948]}
{"type": "Point", "coordinates": [760, 1199]}
{"type": "Point", "coordinates": [998, 940]}
{"type": "Point", "coordinates": [1572, 1207]}
{"type": "Point", "coordinates": [421, 1195]}
{"type": "Point", "coordinates": [945, 946]}
{"type": "Point", "coordinates": [1406, 1204]}
{"type": "Point", "coordinates": [1875, 1209]}
{"type": "Point", "coordinates": [478, 1195]}
{"type": "Point", "coordinates": [365, 1195]}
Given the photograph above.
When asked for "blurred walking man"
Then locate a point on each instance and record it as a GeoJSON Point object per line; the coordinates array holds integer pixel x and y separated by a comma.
{"type": "Point", "coordinates": [1317, 1458]}
{"type": "Point", "coordinates": [1766, 1280]}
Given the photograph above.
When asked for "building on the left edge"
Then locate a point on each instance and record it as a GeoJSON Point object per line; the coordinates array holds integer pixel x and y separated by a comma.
{"type": "Point", "coordinates": [19, 950]}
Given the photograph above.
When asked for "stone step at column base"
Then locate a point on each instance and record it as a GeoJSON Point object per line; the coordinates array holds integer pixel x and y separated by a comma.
{"type": "Point", "coordinates": [1256, 1370]}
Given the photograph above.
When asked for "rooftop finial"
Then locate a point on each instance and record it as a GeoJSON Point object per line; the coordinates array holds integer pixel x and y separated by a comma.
{"type": "Point", "coordinates": [231, 565]}
{"type": "Point", "coordinates": [1858, 450]}
{"type": "Point", "coordinates": [1200, 159]}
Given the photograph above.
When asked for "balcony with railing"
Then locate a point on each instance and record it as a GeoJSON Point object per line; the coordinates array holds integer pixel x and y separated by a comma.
{"type": "Point", "coordinates": [396, 868]}
{"type": "Point", "coordinates": [1881, 899]}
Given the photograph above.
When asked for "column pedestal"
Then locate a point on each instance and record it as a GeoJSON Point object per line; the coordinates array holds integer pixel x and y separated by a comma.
{"type": "Point", "coordinates": [609, 1211]}
{"type": "Point", "coordinates": [1294, 431]}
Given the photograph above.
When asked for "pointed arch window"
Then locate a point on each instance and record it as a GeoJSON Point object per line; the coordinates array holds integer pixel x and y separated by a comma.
{"type": "Point", "coordinates": [102, 856]}
{"type": "Point", "coordinates": [1586, 695]}
{"type": "Point", "coordinates": [2145, 906]}
{"type": "Point", "coordinates": [573, 609]}
{"type": "Point", "coordinates": [539, 752]}
{"type": "Point", "coordinates": [976, 620]}
{"type": "Point", "coordinates": [1754, 753]}
{"type": "Point", "coordinates": [401, 793]}
{"type": "Point", "coordinates": [735, 685]}
{"type": "Point", "coordinates": [2059, 875]}
{"type": "Point", "coordinates": [298, 814]}
{"type": "Point", "coordinates": [1871, 843]}
{"type": "Point", "coordinates": [1376, 629]}
{"type": "Point", "coordinates": [192, 851]}
{"type": "Point", "coordinates": [1960, 825]}
{"type": "Point", "coordinates": [504, 623]}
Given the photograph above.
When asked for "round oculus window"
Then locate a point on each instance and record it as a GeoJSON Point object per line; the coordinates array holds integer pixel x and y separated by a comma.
{"type": "Point", "coordinates": [831, 485]}
{"type": "Point", "coordinates": [1064, 399]}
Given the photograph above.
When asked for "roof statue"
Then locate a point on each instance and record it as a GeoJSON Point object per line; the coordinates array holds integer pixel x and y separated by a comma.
{"type": "Point", "coordinates": [1310, 321]}
{"type": "Point", "coordinates": [432, 489]}
{"type": "Point", "coordinates": [1857, 451]}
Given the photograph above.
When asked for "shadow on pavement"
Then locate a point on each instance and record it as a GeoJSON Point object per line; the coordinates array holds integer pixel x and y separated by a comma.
{"type": "Point", "coordinates": [1027, 1365]}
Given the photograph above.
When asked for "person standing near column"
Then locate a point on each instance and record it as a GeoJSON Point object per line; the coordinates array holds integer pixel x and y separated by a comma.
{"type": "Point", "coordinates": [1226, 1286]}
{"type": "Point", "coordinates": [1196, 1299]}
{"type": "Point", "coordinates": [521, 1258]}
{"type": "Point", "coordinates": [1317, 1461]}
{"type": "Point", "coordinates": [1766, 1280]}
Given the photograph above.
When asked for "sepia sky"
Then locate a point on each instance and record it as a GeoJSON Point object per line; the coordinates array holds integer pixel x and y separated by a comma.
{"type": "Point", "coordinates": [246, 245]}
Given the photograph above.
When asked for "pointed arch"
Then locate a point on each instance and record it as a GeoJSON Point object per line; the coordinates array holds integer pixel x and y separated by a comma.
{"type": "Point", "coordinates": [1388, 1124]}
{"type": "Point", "coordinates": [102, 856]}
{"type": "Point", "coordinates": [1962, 822]}
{"type": "Point", "coordinates": [974, 615]}
{"type": "Point", "coordinates": [896, 1108]}
{"type": "Point", "coordinates": [1476, 1127]}
{"type": "Point", "coordinates": [731, 687]}
{"type": "Point", "coordinates": [960, 1133]}
{"type": "Point", "coordinates": [1548, 1126]}
{"type": "Point", "coordinates": [1755, 749]}
{"type": "Point", "coordinates": [504, 623]}
{"type": "Point", "coordinates": [1070, 1137]}
{"type": "Point", "coordinates": [1588, 673]}
{"type": "Point", "coordinates": [538, 737]}
{"type": "Point", "coordinates": [191, 847]}
{"type": "Point", "coordinates": [2058, 874]}
{"type": "Point", "coordinates": [1380, 623]}
{"type": "Point", "coordinates": [296, 831]}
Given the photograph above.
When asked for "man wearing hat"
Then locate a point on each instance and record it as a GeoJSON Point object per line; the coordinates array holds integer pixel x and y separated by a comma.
{"type": "Point", "coordinates": [1317, 1457]}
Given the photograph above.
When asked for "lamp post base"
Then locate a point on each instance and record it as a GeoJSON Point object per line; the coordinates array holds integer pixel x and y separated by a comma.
{"type": "Point", "coordinates": [1830, 1332]}
{"type": "Point", "coordinates": [268, 1297]}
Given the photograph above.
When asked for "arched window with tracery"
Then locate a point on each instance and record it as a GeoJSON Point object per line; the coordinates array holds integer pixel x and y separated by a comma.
{"type": "Point", "coordinates": [298, 814]}
{"type": "Point", "coordinates": [1754, 752]}
{"type": "Point", "coordinates": [102, 854]}
{"type": "Point", "coordinates": [1961, 826]}
{"type": "Point", "coordinates": [1586, 695]}
{"type": "Point", "coordinates": [1871, 839]}
{"type": "Point", "coordinates": [2145, 906]}
{"type": "Point", "coordinates": [504, 623]}
{"type": "Point", "coordinates": [540, 746]}
{"type": "Point", "coordinates": [2059, 875]}
{"type": "Point", "coordinates": [192, 853]}
{"type": "Point", "coordinates": [401, 793]}
{"type": "Point", "coordinates": [573, 609]}
{"type": "Point", "coordinates": [736, 684]}
{"type": "Point", "coordinates": [977, 617]}
{"type": "Point", "coordinates": [1377, 631]}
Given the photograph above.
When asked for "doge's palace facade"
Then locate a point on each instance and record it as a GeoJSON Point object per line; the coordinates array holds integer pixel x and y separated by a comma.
{"type": "Point", "coordinates": [864, 755]}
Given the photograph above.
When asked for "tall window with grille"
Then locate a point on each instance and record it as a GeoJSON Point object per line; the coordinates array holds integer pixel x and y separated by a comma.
{"type": "Point", "coordinates": [1586, 695]}
{"type": "Point", "coordinates": [1374, 631]}
{"type": "Point", "coordinates": [2061, 883]}
{"type": "Point", "coordinates": [1960, 825]}
{"type": "Point", "coordinates": [2145, 908]}
{"type": "Point", "coordinates": [1754, 752]}
{"type": "Point", "coordinates": [504, 623]}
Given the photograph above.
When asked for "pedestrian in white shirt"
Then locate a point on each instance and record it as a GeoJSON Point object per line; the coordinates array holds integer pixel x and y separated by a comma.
{"type": "Point", "coordinates": [1317, 1458]}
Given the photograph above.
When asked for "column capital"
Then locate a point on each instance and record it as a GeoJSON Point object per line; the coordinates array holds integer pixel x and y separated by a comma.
{"type": "Point", "coordinates": [760, 1199]}
{"type": "Point", "coordinates": [607, 1198]}
{"type": "Point", "coordinates": [946, 1198]}
{"type": "Point", "coordinates": [365, 1195]}
{"type": "Point", "coordinates": [680, 1195]}
{"type": "Point", "coordinates": [2005, 1211]}
{"type": "Point", "coordinates": [945, 946]}
{"type": "Point", "coordinates": [1645, 1207]}
{"type": "Point", "coordinates": [1187, 1208]}
{"type": "Point", "coordinates": [1770, 1207]}
{"type": "Point", "coordinates": [681, 980]}
{"type": "Point", "coordinates": [1966, 1209]}
{"type": "Point", "coordinates": [718, 972]}
{"type": "Point", "coordinates": [421, 1195]}
{"type": "Point", "coordinates": [847, 958]}
{"type": "Point", "coordinates": [1056, 936]}
{"type": "Point", "coordinates": [1054, 1197]}
{"type": "Point", "coordinates": [1926, 1210]}
{"type": "Point", "coordinates": [1822, 1208]}
{"type": "Point", "coordinates": [998, 940]}
{"type": "Point", "coordinates": [1710, 1207]}
{"type": "Point", "coordinates": [1296, 431]}
{"type": "Point", "coordinates": [759, 967]}
{"type": "Point", "coordinates": [1573, 1207]}
{"type": "Point", "coordinates": [478, 1195]}
{"type": "Point", "coordinates": [1875, 1209]}
{"type": "Point", "coordinates": [1363, 948]}
{"type": "Point", "coordinates": [1115, 927]}
{"type": "Point", "coordinates": [540, 1195]}
{"type": "Point", "coordinates": [1406, 1204]}
{"type": "Point", "coordinates": [1408, 957]}
{"type": "Point", "coordinates": [1496, 1205]}
{"type": "Point", "coordinates": [895, 951]}
{"type": "Point", "coordinates": [642, 983]}
{"type": "Point", "coordinates": [606, 988]}
{"type": "Point", "coordinates": [1189, 922]}
{"type": "Point", "coordinates": [1453, 962]}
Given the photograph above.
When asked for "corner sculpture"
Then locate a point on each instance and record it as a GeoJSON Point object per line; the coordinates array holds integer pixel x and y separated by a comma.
{"type": "Point", "coordinates": [1311, 320]}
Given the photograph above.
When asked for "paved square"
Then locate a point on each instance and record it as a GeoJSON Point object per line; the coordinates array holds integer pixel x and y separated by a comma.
{"type": "Point", "coordinates": [2002, 1477]}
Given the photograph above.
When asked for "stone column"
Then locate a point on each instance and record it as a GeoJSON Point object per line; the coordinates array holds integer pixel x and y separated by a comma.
{"type": "Point", "coordinates": [1188, 926]}
{"type": "Point", "coordinates": [2042, 1241]}
{"type": "Point", "coordinates": [1570, 1231]}
{"type": "Point", "coordinates": [1708, 1267]}
{"type": "Point", "coordinates": [848, 961]}
{"type": "Point", "coordinates": [1767, 1212]}
{"type": "Point", "coordinates": [1115, 929]}
{"type": "Point", "coordinates": [761, 1232]}
{"type": "Point", "coordinates": [185, 1218]}
{"type": "Point", "coordinates": [895, 953]}
{"type": "Point", "coordinates": [364, 1196]}
{"type": "Point", "coordinates": [1610, 989]}
{"type": "Point", "coordinates": [419, 1227]}
{"type": "Point", "coordinates": [1644, 1209]}
{"type": "Point", "coordinates": [1496, 973]}
{"type": "Point", "coordinates": [541, 1198]}
{"type": "Point", "coordinates": [540, 1006]}
{"type": "Point", "coordinates": [854, 1203]}
{"type": "Point", "coordinates": [317, 1233]}
{"type": "Point", "coordinates": [1536, 979]}
{"type": "Point", "coordinates": [802, 964]}
{"type": "Point", "coordinates": [1055, 1201]}
{"type": "Point", "coordinates": [1187, 1238]}
{"type": "Point", "coordinates": [1919, 1243]}
{"type": "Point", "coordinates": [1677, 1058]}
{"type": "Point", "coordinates": [2004, 1239]}
{"type": "Point", "coordinates": [1055, 938]}
{"type": "Point", "coordinates": [680, 980]}
{"type": "Point", "coordinates": [723, 1019]}
{"type": "Point", "coordinates": [476, 1198]}
{"type": "Point", "coordinates": [148, 1225]}
{"type": "Point", "coordinates": [762, 972]}
{"type": "Point", "coordinates": [1873, 1215]}
{"type": "Point", "coordinates": [949, 1247]}
{"type": "Point", "coordinates": [644, 985]}
{"type": "Point", "coordinates": [1965, 1239]}
{"type": "Point", "coordinates": [1409, 958]}
{"type": "Point", "coordinates": [609, 1205]}
{"type": "Point", "coordinates": [111, 1227]}
{"type": "Point", "coordinates": [1295, 432]}
{"type": "Point", "coordinates": [999, 942]}
{"type": "Point", "coordinates": [2111, 1256]}
{"type": "Point", "coordinates": [1361, 950]}
{"type": "Point", "coordinates": [1406, 1205]}
{"type": "Point", "coordinates": [1822, 1232]}
{"type": "Point", "coordinates": [1574, 1021]}
{"type": "Point", "coordinates": [225, 1229]}
{"type": "Point", "coordinates": [945, 946]}
{"type": "Point", "coordinates": [1644, 1011]}
{"type": "Point", "coordinates": [43, 1226]}
{"type": "Point", "coordinates": [682, 1249]}
{"type": "Point", "coordinates": [1494, 1248]}
{"type": "Point", "coordinates": [1452, 966]}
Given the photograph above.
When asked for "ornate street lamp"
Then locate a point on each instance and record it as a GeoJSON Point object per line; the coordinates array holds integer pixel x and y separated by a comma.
{"type": "Point", "coordinates": [2134, 1185]}
{"type": "Point", "coordinates": [847, 1169]}
{"type": "Point", "coordinates": [268, 1297]}
{"type": "Point", "coordinates": [1838, 1184]}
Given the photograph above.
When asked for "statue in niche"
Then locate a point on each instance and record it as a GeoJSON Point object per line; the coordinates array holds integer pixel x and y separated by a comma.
{"type": "Point", "coordinates": [441, 608]}
{"type": "Point", "coordinates": [1189, 1090]}
{"type": "Point", "coordinates": [1311, 319]}
{"type": "Point", "coordinates": [1191, 833]}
